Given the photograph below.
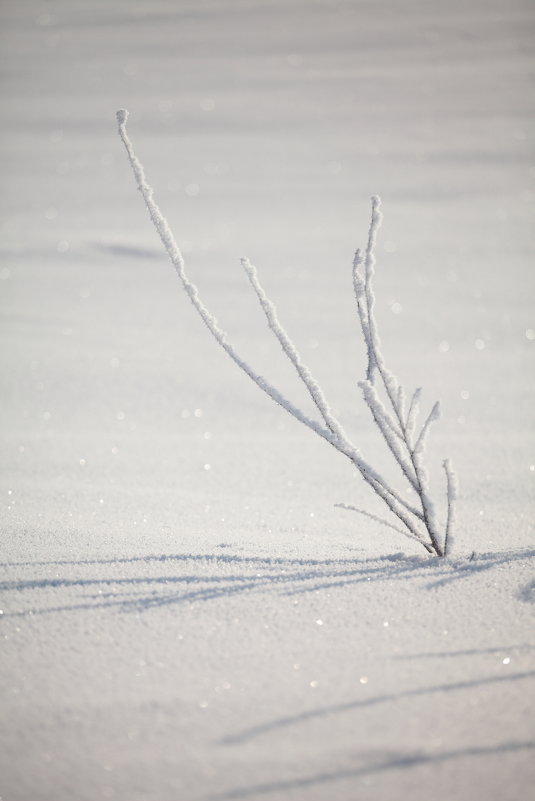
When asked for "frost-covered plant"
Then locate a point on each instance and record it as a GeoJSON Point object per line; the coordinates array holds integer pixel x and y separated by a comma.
{"type": "Point", "coordinates": [395, 421]}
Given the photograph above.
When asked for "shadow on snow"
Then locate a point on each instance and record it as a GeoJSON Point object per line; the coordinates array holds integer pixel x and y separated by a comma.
{"type": "Point", "coordinates": [387, 698]}
{"type": "Point", "coordinates": [393, 762]}
{"type": "Point", "coordinates": [216, 575]}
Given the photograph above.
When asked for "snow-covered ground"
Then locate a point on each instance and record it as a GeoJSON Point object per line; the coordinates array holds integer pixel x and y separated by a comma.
{"type": "Point", "coordinates": [187, 616]}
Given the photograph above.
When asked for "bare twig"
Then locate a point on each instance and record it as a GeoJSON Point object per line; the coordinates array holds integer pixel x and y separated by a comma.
{"type": "Point", "coordinates": [397, 426]}
{"type": "Point", "coordinates": [383, 522]}
{"type": "Point", "coordinates": [451, 480]}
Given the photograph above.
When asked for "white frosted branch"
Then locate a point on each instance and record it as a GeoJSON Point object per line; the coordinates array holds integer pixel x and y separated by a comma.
{"type": "Point", "coordinates": [386, 492]}
{"type": "Point", "coordinates": [387, 427]}
{"type": "Point", "coordinates": [428, 506]}
{"type": "Point", "coordinates": [412, 414]}
{"type": "Point", "coordinates": [433, 415]}
{"type": "Point", "coordinates": [168, 241]}
{"type": "Point", "coordinates": [375, 480]}
{"type": "Point", "coordinates": [369, 266]}
{"type": "Point", "coordinates": [359, 287]}
{"type": "Point", "coordinates": [394, 391]}
{"type": "Point", "coordinates": [291, 352]}
{"type": "Point", "coordinates": [399, 508]}
{"type": "Point", "coordinates": [375, 357]}
{"type": "Point", "coordinates": [451, 492]}
{"type": "Point", "coordinates": [383, 522]}
{"type": "Point", "coordinates": [371, 396]}
{"type": "Point", "coordinates": [400, 399]}
{"type": "Point", "coordinates": [209, 320]}
{"type": "Point", "coordinates": [397, 428]}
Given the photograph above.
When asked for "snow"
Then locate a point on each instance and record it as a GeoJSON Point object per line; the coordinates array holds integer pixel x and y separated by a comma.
{"type": "Point", "coordinates": [187, 614]}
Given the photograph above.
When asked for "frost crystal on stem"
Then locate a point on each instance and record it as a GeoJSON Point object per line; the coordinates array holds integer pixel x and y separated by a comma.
{"type": "Point", "coordinates": [397, 426]}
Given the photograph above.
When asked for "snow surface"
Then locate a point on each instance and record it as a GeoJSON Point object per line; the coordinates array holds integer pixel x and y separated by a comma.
{"type": "Point", "coordinates": [186, 613]}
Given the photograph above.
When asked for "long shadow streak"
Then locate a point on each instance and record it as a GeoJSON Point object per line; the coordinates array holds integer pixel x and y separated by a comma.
{"type": "Point", "coordinates": [292, 720]}
{"type": "Point", "coordinates": [397, 763]}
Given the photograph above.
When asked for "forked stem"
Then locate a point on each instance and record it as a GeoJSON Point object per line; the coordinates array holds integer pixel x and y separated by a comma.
{"type": "Point", "coordinates": [398, 431]}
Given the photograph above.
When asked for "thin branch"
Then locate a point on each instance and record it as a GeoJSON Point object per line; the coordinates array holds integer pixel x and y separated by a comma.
{"type": "Point", "coordinates": [414, 407]}
{"type": "Point", "coordinates": [371, 396]}
{"type": "Point", "coordinates": [169, 243]}
{"type": "Point", "coordinates": [376, 360]}
{"type": "Point", "coordinates": [386, 426]}
{"type": "Point", "coordinates": [369, 264]}
{"type": "Point", "coordinates": [359, 287]}
{"type": "Point", "coordinates": [433, 415]}
{"type": "Point", "coordinates": [383, 522]}
{"type": "Point", "coordinates": [395, 504]}
{"type": "Point", "coordinates": [401, 402]}
{"type": "Point", "coordinates": [452, 492]}
{"type": "Point", "coordinates": [290, 350]}
{"type": "Point", "coordinates": [387, 493]}
{"type": "Point", "coordinates": [391, 385]}
{"type": "Point", "coordinates": [428, 507]}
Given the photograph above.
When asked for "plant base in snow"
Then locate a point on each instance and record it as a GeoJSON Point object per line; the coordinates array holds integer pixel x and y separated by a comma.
{"type": "Point", "coordinates": [396, 420]}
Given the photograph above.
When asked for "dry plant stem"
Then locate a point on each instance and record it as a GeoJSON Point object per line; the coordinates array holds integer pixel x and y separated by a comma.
{"type": "Point", "coordinates": [415, 473]}
{"type": "Point", "coordinates": [289, 349]}
{"type": "Point", "coordinates": [397, 431]}
{"type": "Point", "coordinates": [342, 444]}
{"type": "Point", "coordinates": [384, 522]}
{"type": "Point", "coordinates": [414, 408]}
{"type": "Point", "coordinates": [338, 440]}
{"type": "Point", "coordinates": [169, 243]}
{"type": "Point", "coordinates": [451, 480]}
{"type": "Point", "coordinates": [385, 425]}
